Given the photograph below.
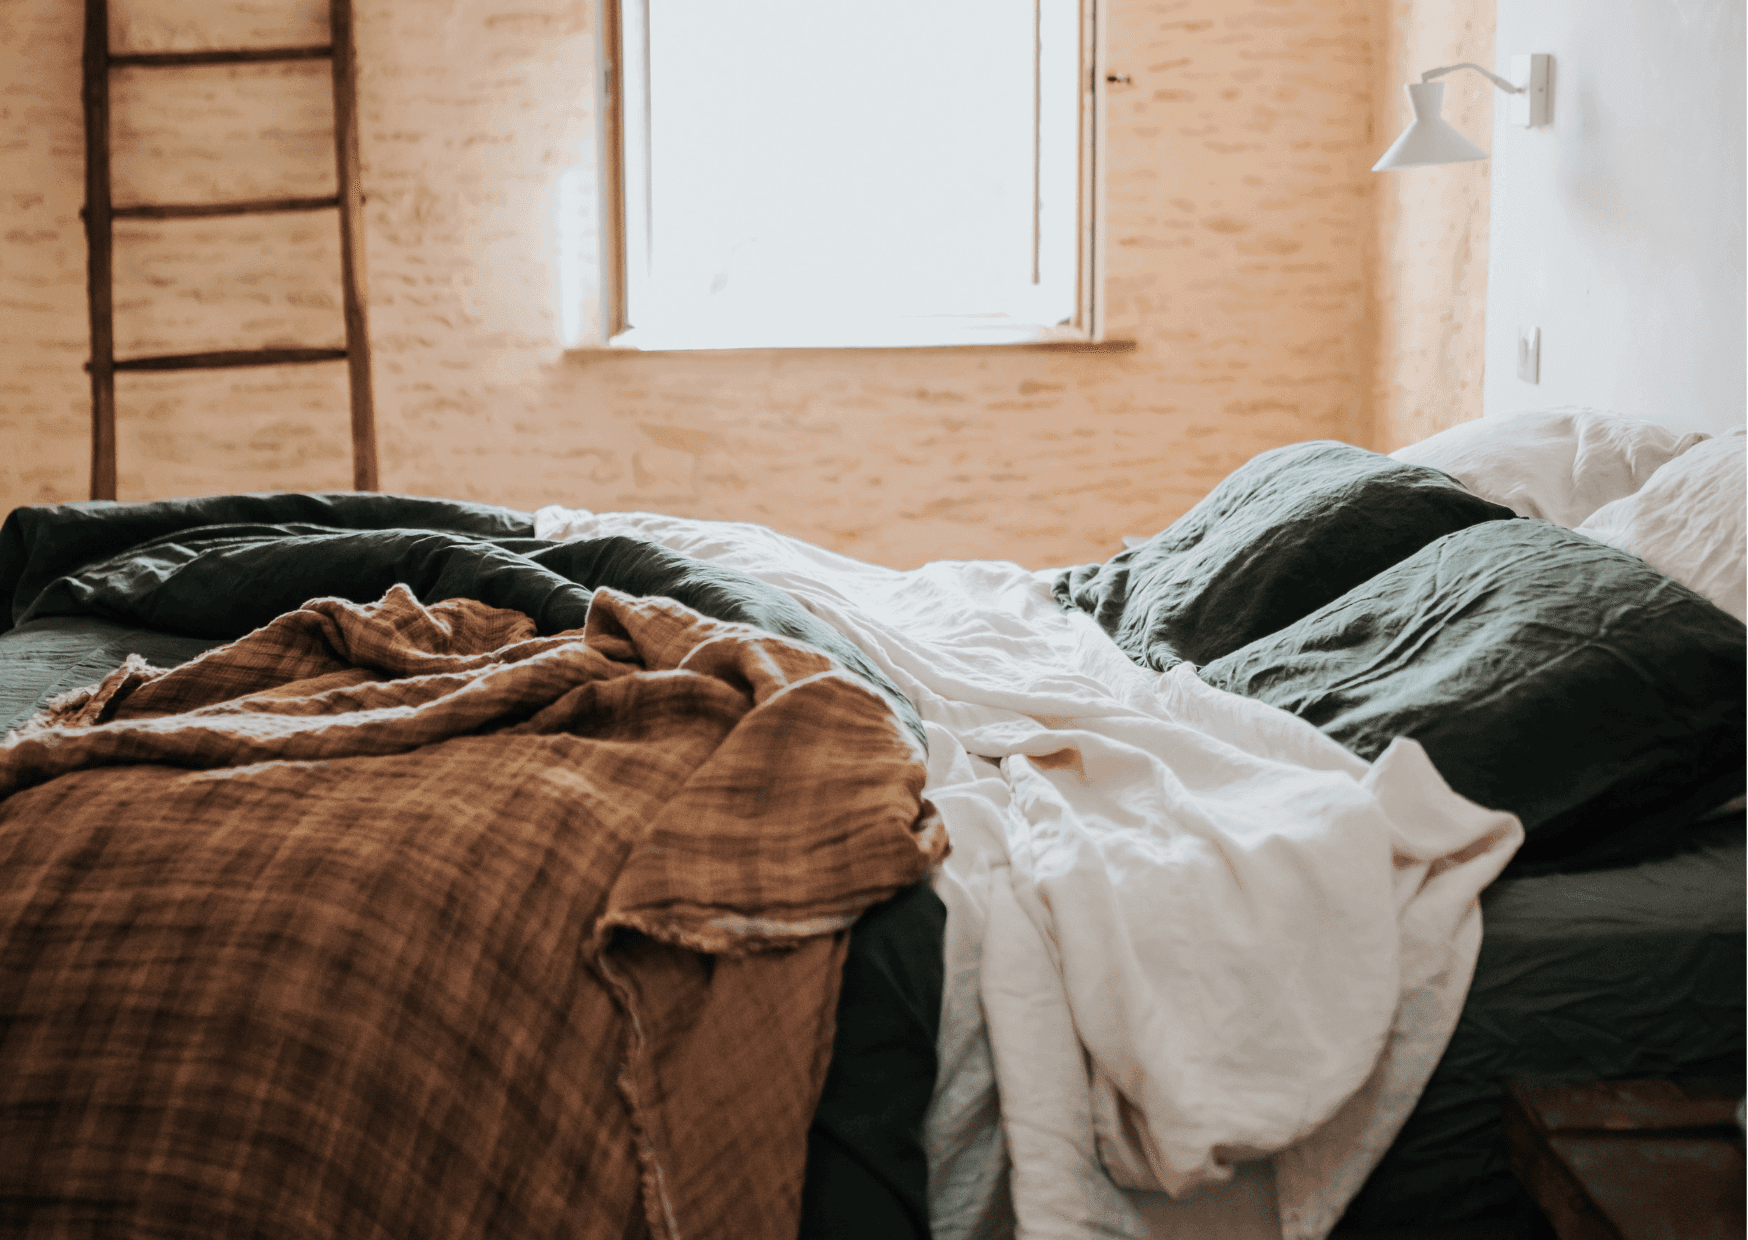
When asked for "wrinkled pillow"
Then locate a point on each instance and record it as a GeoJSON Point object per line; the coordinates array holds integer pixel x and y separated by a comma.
{"type": "Point", "coordinates": [1561, 464]}
{"type": "Point", "coordinates": [1282, 535]}
{"type": "Point", "coordinates": [1690, 521]}
{"type": "Point", "coordinates": [1543, 672]}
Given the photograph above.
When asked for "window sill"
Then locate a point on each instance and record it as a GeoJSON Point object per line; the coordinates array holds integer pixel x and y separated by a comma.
{"type": "Point", "coordinates": [589, 353]}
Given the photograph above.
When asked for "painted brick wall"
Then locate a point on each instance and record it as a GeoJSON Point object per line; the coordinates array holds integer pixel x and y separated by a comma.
{"type": "Point", "coordinates": [1244, 259]}
{"type": "Point", "coordinates": [1429, 275]}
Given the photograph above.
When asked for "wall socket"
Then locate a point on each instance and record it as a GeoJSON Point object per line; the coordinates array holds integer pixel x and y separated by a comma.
{"type": "Point", "coordinates": [1529, 354]}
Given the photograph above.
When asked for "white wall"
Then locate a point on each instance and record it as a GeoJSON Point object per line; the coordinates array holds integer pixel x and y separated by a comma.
{"type": "Point", "coordinates": [1618, 229]}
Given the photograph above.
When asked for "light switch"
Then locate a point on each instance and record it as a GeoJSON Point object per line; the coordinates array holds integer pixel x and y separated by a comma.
{"type": "Point", "coordinates": [1529, 354]}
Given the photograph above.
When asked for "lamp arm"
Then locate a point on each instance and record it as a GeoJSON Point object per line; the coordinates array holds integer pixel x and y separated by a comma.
{"type": "Point", "coordinates": [1498, 81]}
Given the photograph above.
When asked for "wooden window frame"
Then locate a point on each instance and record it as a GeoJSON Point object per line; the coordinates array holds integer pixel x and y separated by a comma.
{"type": "Point", "coordinates": [1085, 330]}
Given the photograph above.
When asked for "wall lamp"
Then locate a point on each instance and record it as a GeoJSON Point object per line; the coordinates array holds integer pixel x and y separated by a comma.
{"type": "Point", "coordinates": [1429, 139]}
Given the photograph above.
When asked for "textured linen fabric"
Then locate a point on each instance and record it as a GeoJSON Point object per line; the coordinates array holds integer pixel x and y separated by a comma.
{"type": "Point", "coordinates": [57, 654]}
{"type": "Point", "coordinates": [1544, 673]}
{"type": "Point", "coordinates": [222, 580]}
{"type": "Point", "coordinates": [1283, 534]}
{"type": "Point", "coordinates": [393, 921]}
{"type": "Point", "coordinates": [1557, 464]}
{"type": "Point", "coordinates": [867, 1172]}
{"type": "Point", "coordinates": [41, 542]}
{"type": "Point", "coordinates": [1183, 928]}
{"type": "Point", "coordinates": [1611, 974]}
{"type": "Point", "coordinates": [227, 579]}
{"type": "Point", "coordinates": [1690, 521]}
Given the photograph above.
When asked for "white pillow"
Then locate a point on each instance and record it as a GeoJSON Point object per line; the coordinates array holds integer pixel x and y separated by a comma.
{"type": "Point", "coordinates": [1561, 464]}
{"type": "Point", "coordinates": [1690, 521]}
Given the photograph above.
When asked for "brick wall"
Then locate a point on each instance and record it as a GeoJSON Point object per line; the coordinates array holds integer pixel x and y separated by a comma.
{"type": "Point", "coordinates": [1244, 258]}
{"type": "Point", "coordinates": [1429, 270]}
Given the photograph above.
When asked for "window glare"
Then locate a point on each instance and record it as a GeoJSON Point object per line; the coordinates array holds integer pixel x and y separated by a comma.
{"type": "Point", "coordinates": [817, 165]}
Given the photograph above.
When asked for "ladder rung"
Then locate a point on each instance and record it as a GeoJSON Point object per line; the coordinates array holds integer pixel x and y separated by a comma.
{"type": "Point", "coordinates": [200, 210]}
{"type": "Point", "coordinates": [221, 56]}
{"type": "Point", "coordinates": [228, 358]}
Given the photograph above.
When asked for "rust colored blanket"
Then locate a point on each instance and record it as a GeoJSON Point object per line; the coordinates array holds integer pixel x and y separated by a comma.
{"type": "Point", "coordinates": [394, 921]}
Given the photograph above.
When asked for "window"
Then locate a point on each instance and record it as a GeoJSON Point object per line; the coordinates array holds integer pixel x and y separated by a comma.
{"type": "Point", "coordinates": [828, 173]}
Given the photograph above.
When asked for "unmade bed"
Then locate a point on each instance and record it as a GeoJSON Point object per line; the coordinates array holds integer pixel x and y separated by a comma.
{"type": "Point", "coordinates": [1629, 963]}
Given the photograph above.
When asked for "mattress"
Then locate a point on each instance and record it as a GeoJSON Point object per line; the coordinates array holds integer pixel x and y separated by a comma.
{"type": "Point", "coordinates": [1629, 972]}
{"type": "Point", "coordinates": [44, 658]}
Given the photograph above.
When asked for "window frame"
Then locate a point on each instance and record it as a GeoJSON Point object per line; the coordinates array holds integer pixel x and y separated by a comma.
{"type": "Point", "coordinates": [1085, 328]}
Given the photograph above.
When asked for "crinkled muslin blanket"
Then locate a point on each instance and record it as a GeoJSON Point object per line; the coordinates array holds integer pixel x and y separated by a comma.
{"type": "Point", "coordinates": [392, 921]}
{"type": "Point", "coordinates": [1200, 959]}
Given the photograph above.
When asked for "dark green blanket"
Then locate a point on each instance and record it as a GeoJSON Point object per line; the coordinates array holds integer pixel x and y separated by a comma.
{"type": "Point", "coordinates": [1283, 534]}
{"type": "Point", "coordinates": [40, 543]}
{"type": "Point", "coordinates": [223, 566]}
{"type": "Point", "coordinates": [1543, 672]}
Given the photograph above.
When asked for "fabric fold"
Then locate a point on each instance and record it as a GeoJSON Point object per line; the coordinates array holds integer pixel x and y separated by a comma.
{"type": "Point", "coordinates": [1212, 952]}
{"type": "Point", "coordinates": [389, 920]}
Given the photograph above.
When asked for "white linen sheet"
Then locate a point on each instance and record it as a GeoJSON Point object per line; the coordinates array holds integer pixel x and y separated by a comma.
{"type": "Point", "coordinates": [1188, 935]}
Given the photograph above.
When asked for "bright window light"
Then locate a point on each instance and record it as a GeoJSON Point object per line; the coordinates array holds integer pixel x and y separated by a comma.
{"type": "Point", "coordinates": [568, 210]}
{"type": "Point", "coordinates": [813, 172]}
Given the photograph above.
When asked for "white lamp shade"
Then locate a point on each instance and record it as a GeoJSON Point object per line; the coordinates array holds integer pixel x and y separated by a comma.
{"type": "Point", "coordinates": [1428, 139]}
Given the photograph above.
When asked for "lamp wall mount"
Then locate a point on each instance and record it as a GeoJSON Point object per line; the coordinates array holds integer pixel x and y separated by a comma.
{"type": "Point", "coordinates": [1529, 107]}
{"type": "Point", "coordinates": [1498, 81]}
{"type": "Point", "coordinates": [1529, 92]}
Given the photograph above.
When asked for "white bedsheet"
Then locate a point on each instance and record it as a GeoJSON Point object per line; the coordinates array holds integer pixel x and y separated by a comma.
{"type": "Point", "coordinates": [1187, 934]}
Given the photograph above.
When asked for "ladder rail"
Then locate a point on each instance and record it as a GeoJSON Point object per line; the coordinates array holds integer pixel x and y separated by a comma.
{"type": "Point", "coordinates": [99, 244]}
{"type": "Point", "coordinates": [100, 212]}
{"type": "Point", "coordinates": [347, 172]}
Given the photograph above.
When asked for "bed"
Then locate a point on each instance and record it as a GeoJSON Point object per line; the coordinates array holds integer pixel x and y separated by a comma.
{"type": "Point", "coordinates": [1009, 1044]}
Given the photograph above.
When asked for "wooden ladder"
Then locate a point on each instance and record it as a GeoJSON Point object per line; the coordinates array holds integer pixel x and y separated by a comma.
{"type": "Point", "coordinates": [100, 213]}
